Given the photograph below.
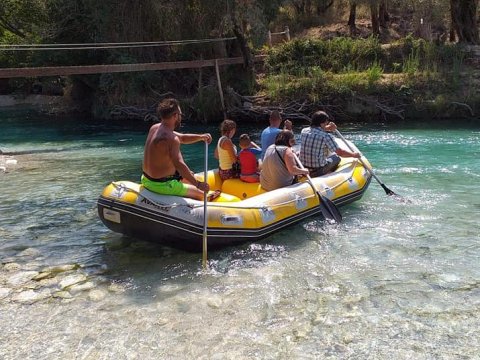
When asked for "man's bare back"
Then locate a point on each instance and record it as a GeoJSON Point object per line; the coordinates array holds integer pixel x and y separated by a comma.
{"type": "Point", "coordinates": [157, 162]}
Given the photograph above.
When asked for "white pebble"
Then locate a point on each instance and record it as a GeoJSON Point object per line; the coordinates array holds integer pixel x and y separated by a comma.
{"type": "Point", "coordinates": [214, 302]}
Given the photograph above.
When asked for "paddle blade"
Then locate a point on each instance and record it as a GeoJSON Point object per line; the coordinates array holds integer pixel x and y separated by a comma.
{"type": "Point", "coordinates": [329, 209]}
{"type": "Point", "coordinates": [394, 195]}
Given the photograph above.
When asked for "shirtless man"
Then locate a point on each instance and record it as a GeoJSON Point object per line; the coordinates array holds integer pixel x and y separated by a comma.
{"type": "Point", "coordinates": [163, 164]}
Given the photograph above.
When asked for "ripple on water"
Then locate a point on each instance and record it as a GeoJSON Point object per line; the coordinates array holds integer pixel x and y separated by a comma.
{"type": "Point", "coordinates": [394, 280]}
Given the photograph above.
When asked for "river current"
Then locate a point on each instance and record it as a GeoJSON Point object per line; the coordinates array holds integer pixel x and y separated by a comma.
{"type": "Point", "coordinates": [395, 280]}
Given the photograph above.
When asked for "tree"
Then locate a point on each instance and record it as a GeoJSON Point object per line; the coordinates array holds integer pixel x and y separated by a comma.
{"type": "Point", "coordinates": [23, 18]}
{"type": "Point", "coordinates": [464, 21]}
{"type": "Point", "coordinates": [352, 17]}
{"type": "Point", "coordinates": [323, 5]}
{"type": "Point", "coordinates": [374, 17]}
{"type": "Point", "coordinates": [383, 15]}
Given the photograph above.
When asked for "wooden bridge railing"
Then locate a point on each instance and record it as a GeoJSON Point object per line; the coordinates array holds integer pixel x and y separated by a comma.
{"type": "Point", "coordinates": [116, 68]}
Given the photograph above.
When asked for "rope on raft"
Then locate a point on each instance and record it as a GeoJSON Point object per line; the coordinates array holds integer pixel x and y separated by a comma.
{"type": "Point", "coordinates": [219, 205]}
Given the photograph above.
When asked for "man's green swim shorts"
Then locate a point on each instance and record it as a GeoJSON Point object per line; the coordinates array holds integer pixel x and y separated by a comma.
{"type": "Point", "coordinates": [169, 187]}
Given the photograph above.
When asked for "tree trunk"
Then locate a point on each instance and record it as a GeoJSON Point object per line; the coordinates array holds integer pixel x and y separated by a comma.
{"type": "Point", "coordinates": [383, 15]}
{"type": "Point", "coordinates": [323, 6]}
{"type": "Point", "coordinates": [242, 41]}
{"type": "Point", "coordinates": [352, 18]}
{"type": "Point", "coordinates": [464, 20]}
{"type": "Point", "coordinates": [374, 15]}
{"type": "Point", "coordinates": [244, 48]}
{"type": "Point", "coordinates": [308, 6]}
{"type": "Point", "coordinates": [299, 6]}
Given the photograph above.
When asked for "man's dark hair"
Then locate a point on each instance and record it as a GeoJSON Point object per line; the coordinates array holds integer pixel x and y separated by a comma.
{"type": "Point", "coordinates": [319, 117]}
{"type": "Point", "coordinates": [284, 137]}
{"type": "Point", "coordinates": [167, 107]}
{"type": "Point", "coordinates": [275, 116]}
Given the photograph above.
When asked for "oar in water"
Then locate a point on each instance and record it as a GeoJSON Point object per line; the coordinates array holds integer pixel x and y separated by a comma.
{"type": "Point", "coordinates": [329, 211]}
{"type": "Point", "coordinates": [370, 170]}
{"type": "Point", "coordinates": [205, 217]}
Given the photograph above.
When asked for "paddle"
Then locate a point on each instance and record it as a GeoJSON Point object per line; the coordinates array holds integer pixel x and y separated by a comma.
{"type": "Point", "coordinates": [370, 170]}
{"type": "Point", "coordinates": [329, 210]}
{"type": "Point", "coordinates": [205, 217]}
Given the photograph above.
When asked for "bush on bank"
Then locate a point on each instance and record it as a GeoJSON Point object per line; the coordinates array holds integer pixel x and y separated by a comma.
{"type": "Point", "coordinates": [412, 73]}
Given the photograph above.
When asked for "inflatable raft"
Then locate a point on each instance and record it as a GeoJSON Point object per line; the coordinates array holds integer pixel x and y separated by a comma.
{"type": "Point", "coordinates": [243, 213]}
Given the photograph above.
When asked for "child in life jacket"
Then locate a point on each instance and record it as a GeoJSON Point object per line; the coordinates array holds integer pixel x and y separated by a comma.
{"type": "Point", "coordinates": [247, 157]}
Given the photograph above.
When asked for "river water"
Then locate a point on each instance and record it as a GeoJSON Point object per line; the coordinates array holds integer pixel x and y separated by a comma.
{"type": "Point", "coordinates": [394, 281]}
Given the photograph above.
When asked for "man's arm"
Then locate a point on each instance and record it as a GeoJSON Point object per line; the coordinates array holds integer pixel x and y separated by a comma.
{"type": "Point", "coordinates": [292, 165]}
{"type": "Point", "coordinates": [287, 125]}
{"type": "Point", "coordinates": [179, 163]}
{"type": "Point", "coordinates": [254, 146]}
{"type": "Point", "coordinates": [346, 153]}
{"type": "Point", "coordinates": [333, 147]}
{"type": "Point", "coordinates": [193, 138]}
{"type": "Point", "coordinates": [330, 127]}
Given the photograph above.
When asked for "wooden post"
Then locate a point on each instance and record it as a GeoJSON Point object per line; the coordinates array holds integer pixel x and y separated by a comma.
{"type": "Point", "coordinates": [287, 33]}
{"type": "Point", "coordinates": [269, 38]}
{"type": "Point", "coordinates": [220, 90]}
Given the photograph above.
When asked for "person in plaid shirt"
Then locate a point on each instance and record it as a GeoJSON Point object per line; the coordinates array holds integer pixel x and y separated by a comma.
{"type": "Point", "coordinates": [319, 152]}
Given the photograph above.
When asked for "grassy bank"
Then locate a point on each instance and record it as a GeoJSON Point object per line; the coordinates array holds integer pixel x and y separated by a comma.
{"type": "Point", "coordinates": [361, 78]}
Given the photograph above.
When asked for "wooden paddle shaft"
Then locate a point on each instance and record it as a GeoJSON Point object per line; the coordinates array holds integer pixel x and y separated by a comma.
{"type": "Point", "coordinates": [205, 207]}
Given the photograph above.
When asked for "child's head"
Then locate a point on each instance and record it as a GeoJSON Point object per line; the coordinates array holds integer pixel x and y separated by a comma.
{"type": "Point", "coordinates": [226, 126]}
{"type": "Point", "coordinates": [244, 141]}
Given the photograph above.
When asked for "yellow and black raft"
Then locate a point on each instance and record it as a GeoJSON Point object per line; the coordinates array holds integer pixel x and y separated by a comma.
{"type": "Point", "coordinates": [243, 213]}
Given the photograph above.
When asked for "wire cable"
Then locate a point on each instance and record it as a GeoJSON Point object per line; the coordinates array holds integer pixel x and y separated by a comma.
{"type": "Point", "coordinates": [119, 45]}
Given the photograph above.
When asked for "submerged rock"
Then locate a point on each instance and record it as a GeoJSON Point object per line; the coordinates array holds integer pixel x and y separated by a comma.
{"type": "Point", "coordinates": [116, 288]}
{"type": "Point", "coordinates": [21, 278]}
{"type": "Point", "coordinates": [60, 268]}
{"type": "Point", "coordinates": [72, 280]}
{"type": "Point", "coordinates": [12, 266]}
{"type": "Point", "coordinates": [97, 295]}
{"type": "Point", "coordinates": [31, 296]}
{"type": "Point", "coordinates": [29, 252]}
{"type": "Point", "coordinates": [35, 266]}
{"type": "Point", "coordinates": [63, 295]}
{"type": "Point", "coordinates": [43, 275]}
{"type": "Point", "coordinates": [4, 292]}
{"type": "Point", "coordinates": [82, 287]}
{"type": "Point", "coordinates": [215, 302]}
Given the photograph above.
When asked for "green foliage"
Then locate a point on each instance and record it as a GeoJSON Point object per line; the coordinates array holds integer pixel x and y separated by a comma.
{"type": "Point", "coordinates": [206, 104]}
{"type": "Point", "coordinates": [24, 18]}
{"type": "Point", "coordinates": [412, 64]}
{"type": "Point", "coordinates": [330, 55]}
{"type": "Point", "coordinates": [322, 85]}
{"type": "Point", "coordinates": [374, 73]}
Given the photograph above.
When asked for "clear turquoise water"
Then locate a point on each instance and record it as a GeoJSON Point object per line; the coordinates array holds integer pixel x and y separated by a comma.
{"type": "Point", "coordinates": [394, 280]}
